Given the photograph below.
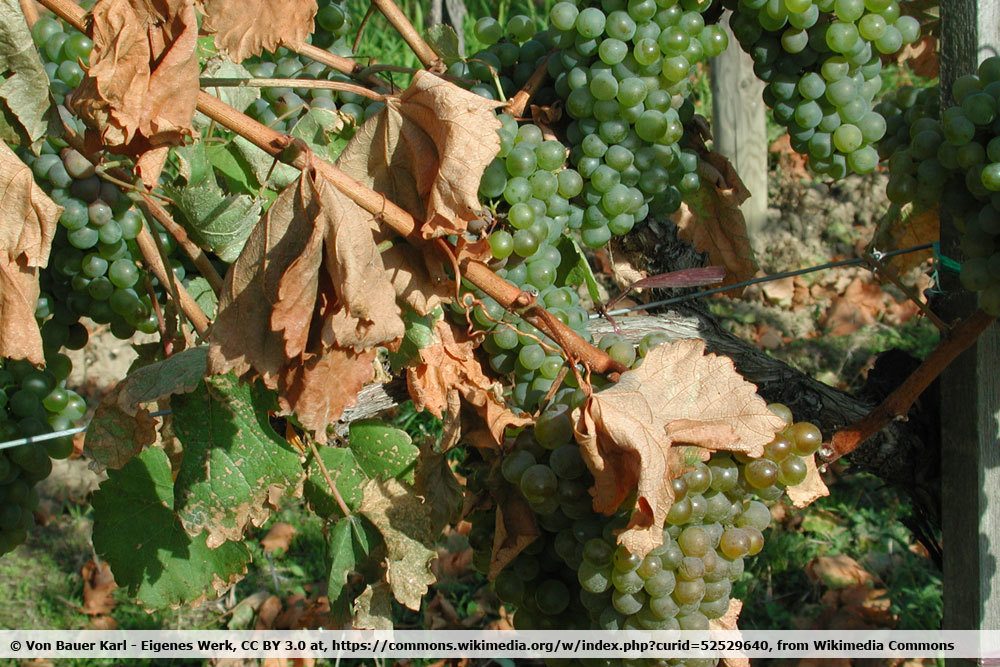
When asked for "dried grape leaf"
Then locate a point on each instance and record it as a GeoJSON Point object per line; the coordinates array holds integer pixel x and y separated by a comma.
{"type": "Point", "coordinates": [449, 364]}
{"type": "Point", "coordinates": [25, 86]}
{"type": "Point", "coordinates": [140, 92]}
{"type": "Point", "coordinates": [245, 28]}
{"type": "Point", "coordinates": [427, 151]}
{"type": "Point", "coordinates": [28, 220]}
{"type": "Point", "coordinates": [712, 222]}
{"type": "Point", "coordinates": [811, 488]}
{"type": "Point", "coordinates": [628, 433]}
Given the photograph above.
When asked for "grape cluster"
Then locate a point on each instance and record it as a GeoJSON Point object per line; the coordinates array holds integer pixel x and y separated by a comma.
{"type": "Point", "coordinates": [821, 62]}
{"type": "Point", "coordinates": [954, 158]}
{"type": "Point", "coordinates": [280, 108]}
{"type": "Point", "coordinates": [717, 520]}
{"type": "Point", "coordinates": [32, 402]}
{"type": "Point", "coordinates": [93, 261]}
{"type": "Point", "coordinates": [62, 51]}
{"type": "Point", "coordinates": [530, 190]}
{"type": "Point", "coordinates": [623, 72]}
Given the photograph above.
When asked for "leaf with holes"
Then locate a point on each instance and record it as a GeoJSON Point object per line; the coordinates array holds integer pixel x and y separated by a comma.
{"type": "Point", "coordinates": [137, 531]}
{"type": "Point", "coordinates": [235, 468]}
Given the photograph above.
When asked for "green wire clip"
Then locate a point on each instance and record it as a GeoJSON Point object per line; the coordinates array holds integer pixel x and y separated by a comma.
{"type": "Point", "coordinates": [945, 262]}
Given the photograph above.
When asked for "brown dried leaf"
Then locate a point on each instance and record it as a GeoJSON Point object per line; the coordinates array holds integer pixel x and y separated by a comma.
{"type": "Point", "coordinates": [712, 222]}
{"type": "Point", "coordinates": [140, 92]}
{"type": "Point", "coordinates": [118, 432]}
{"type": "Point", "coordinates": [728, 622]}
{"type": "Point", "coordinates": [367, 314]}
{"type": "Point", "coordinates": [922, 57]}
{"type": "Point", "coordinates": [278, 537]}
{"type": "Point", "coordinates": [839, 571]}
{"type": "Point", "coordinates": [98, 588]}
{"type": "Point", "coordinates": [253, 328]}
{"type": "Point", "coordinates": [452, 363]}
{"type": "Point", "coordinates": [419, 280]}
{"type": "Point", "coordinates": [28, 221]}
{"type": "Point", "coordinates": [812, 487]}
{"type": "Point", "coordinates": [516, 528]}
{"type": "Point", "coordinates": [427, 151]}
{"type": "Point", "coordinates": [628, 433]}
{"type": "Point", "coordinates": [906, 230]}
{"type": "Point", "coordinates": [306, 302]}
{"type": "Point", "coordinates": [245, 28]}
{"type": "Point", "coordinates": [320, 387]}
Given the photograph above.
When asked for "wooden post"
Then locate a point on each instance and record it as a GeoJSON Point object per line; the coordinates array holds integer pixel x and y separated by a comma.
{"type": "Point", "coordinates": [970, 388]}
{"type": "Point", "coordinates": [739, 126]}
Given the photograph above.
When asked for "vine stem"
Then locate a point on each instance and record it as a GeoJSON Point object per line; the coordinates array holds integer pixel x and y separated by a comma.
{"type": "Point", "coordinates": [329, 480]}
{"type": "Point", "coordinates": [898, 403]}
{"type": "Point", "coordinates": [151, 256]}
{"type": "Point", "coordinates": [384, 210]}
{"type": "Point", "coordinates": [30, 11]}
{"type": "Point", "coordinates": [519, 102]}
{"type": "Point", "coordinates": [227, 82]}
{"type": "Point", "coordinates": [154, 209]}
{"type": "Point", "coordinates": [410, 35]}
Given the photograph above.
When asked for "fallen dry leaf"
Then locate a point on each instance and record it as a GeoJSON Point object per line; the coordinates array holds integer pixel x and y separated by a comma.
{"type": "Point", "coordinates": [279, 537]}
{"type": "Point", "coordinates": [630, 434]}
{"type": "Point", "coordinates": [245, 28]}
{"type": "Point", "coordinates": [811, 488]}
{"type": "Point", "coordinates": [140, 92]}
{"type": "Point", "coordinates": [28, 221]}
{"type": "Point", "coordinates": [838, 571]}
{"type": "Point", "coordinates": [427, 151]}
{"type": "Point", "coordinates": [858, 307]}
{"type": "Point", "coordinates": [712, 222]}
{"type": "Point", "coordinates": [98, 588]}
{"type": "Point", "coordinates": [452, 364]}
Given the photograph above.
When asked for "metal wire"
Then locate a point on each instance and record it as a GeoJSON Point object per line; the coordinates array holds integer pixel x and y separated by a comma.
{"type": "Point", "coordinates": [33, 439]}
{"type": "Point", "coordinates": [763, 279]}
{"type": "Point", "coordinates": [613, 313]}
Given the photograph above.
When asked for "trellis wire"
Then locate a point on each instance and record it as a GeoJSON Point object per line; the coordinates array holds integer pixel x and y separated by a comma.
{"type": "Point", "coordinates": [34, 439]}
{"type": "Point", "coordinates": [762, 279]}
{"type": "Point", "coordinates": [613, 313]}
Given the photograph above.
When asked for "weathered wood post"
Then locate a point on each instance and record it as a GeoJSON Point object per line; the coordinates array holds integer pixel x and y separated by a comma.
{"type": "Point", "coordinates": [970, 389]}
{"type": "Point", "coordinates": [739, 125]}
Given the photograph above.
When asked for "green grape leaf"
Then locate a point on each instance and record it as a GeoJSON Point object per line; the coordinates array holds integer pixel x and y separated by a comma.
{"type": "Point", "coordinates": [321, 129]}
{"type": "Point", "coordinates": [436, 483]}
{"type": "Point", "coordinates": [574, 269]}
{"type": "Point", "coordinates": [264, 167]}
{"type": "Point", "coordinates": [218, 221]}
{"type": "Point", "coordinates": [238, 97]}
{"type": "Point", "coordinates": [203, 294]}
{"type": "Point", "coordinates": [383, 451]}
{"type": "Point", "coordinates": [24, 87]}
{"type": "Point", "coordinates": [138, 533]}
{"type": "Point", "coordinates": [403, 520]}
{"type": "Point", "coordinates": [235, 468]}
{"type": "Point", "coordinates": [373, 608]}
{"type": "Point", "coordinates": [346, 475]}
{"type": "Point", "coordinates": [238, 173]}
{"type": "Point", "coordinates": [193, 164]}
{"type": "Point", "coordinates": [444, 41]}
{"type": "Point", "coordinates": [349, 549]}
{"type": "Point", "coordinates": [179, 373]}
